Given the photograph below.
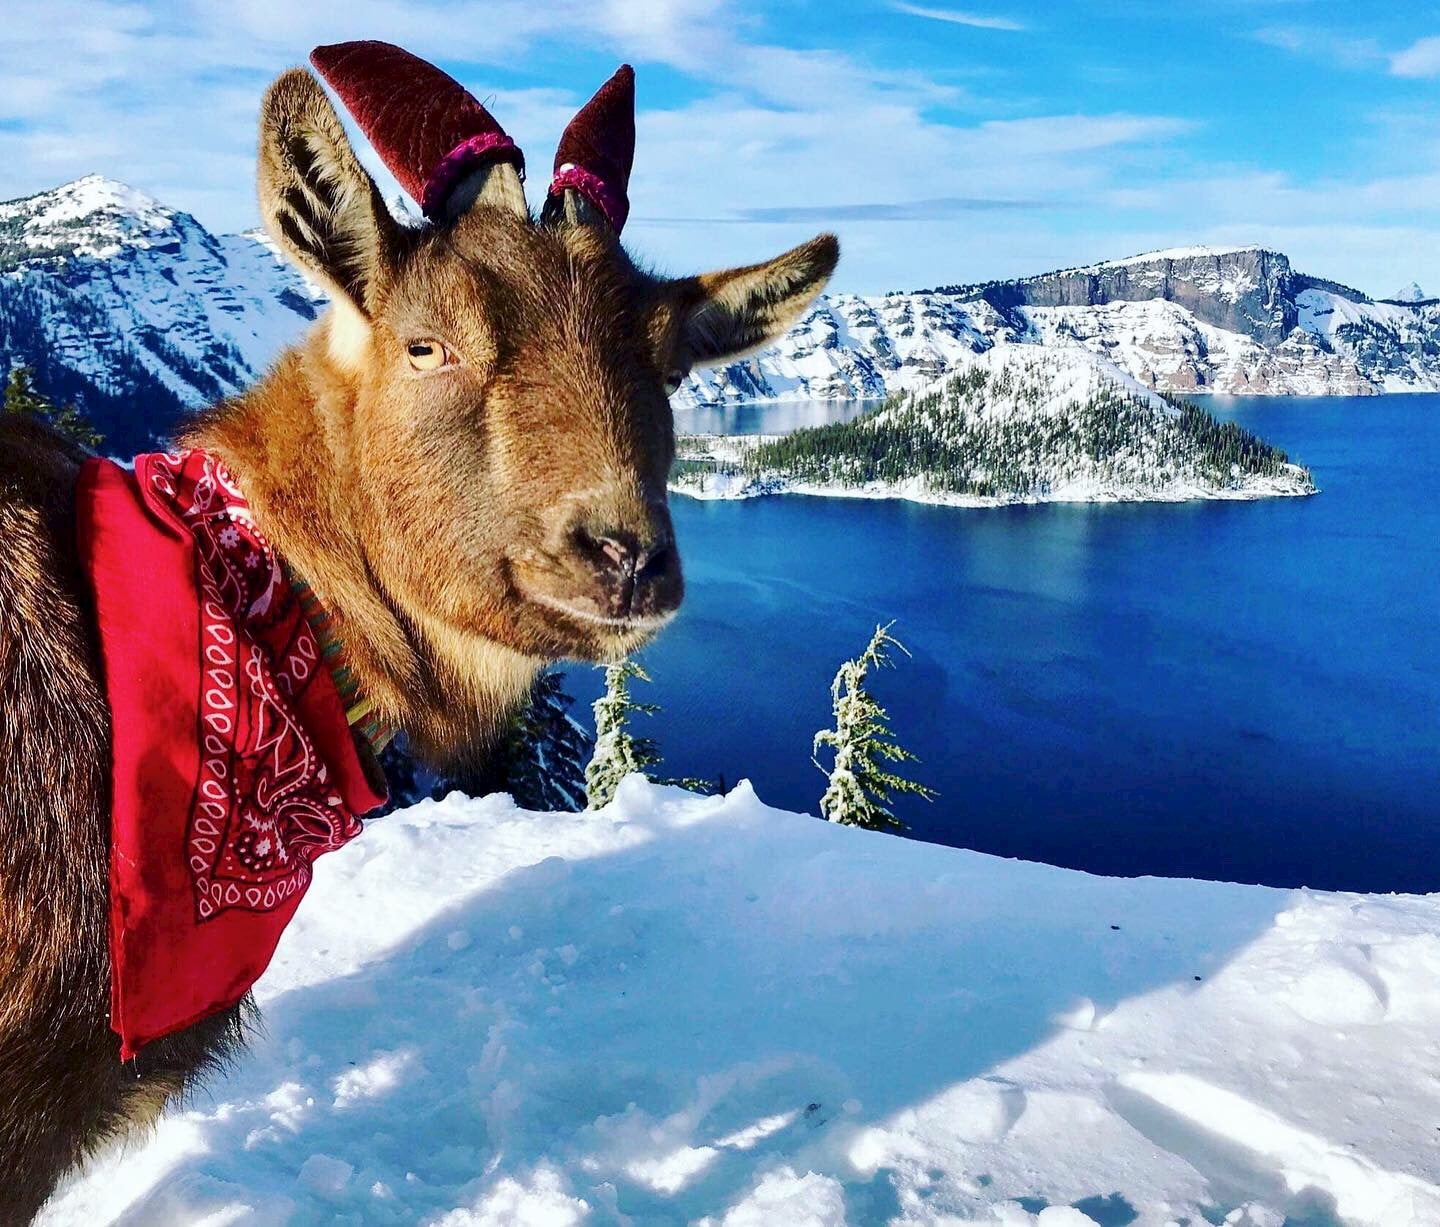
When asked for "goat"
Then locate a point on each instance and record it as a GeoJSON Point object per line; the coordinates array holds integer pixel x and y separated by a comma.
{"type": "Point", "coordinates": [465, 459]}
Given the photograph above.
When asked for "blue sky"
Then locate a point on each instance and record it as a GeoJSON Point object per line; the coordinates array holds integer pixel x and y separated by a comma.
{"type": "Point", "coordinates": [943, 142]}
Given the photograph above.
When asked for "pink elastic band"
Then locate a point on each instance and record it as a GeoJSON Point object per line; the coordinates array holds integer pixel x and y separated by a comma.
{"type": "Point", "coordinates": [487, 146]}
{"type": "Point", "coordinates": [595, 190]}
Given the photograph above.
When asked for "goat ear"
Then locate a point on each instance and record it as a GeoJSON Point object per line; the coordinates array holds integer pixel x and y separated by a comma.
{"type": "Point", "coordinates": [743, 309]}
{"type": "Point", "coordinates": [318, 202]}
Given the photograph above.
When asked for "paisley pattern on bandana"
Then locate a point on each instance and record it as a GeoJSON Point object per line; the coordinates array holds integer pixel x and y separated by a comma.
{"type": "Point", "coordinates": [264, 804]}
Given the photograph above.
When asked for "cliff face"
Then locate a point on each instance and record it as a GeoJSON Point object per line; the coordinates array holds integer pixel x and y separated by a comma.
{"type": "Point", "coordinates": [1236, 320]}
{"type": "Point", "coordinates": [1245, 290]}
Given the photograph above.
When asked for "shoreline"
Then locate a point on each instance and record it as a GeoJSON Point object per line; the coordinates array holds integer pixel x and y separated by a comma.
{"type": "Point", "coordinates": [1188, 494]}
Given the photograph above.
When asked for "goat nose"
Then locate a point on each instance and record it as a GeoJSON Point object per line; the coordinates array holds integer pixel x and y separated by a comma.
{"type": "Point", "coordinates": [621, 555]}
{"type": "Point", "coordinates": [633, 573]}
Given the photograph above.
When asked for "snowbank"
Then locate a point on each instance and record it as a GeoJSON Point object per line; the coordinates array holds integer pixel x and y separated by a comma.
{"type": "Point", "coordinates": [701, 1010]}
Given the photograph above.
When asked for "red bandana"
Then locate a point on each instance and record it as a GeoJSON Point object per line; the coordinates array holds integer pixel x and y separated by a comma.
{"type": "Point", "coordinates": [234, 766]}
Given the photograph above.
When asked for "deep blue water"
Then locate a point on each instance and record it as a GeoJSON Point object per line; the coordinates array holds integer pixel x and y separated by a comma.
{"type": "Point", "coordinates": [1243, 691]}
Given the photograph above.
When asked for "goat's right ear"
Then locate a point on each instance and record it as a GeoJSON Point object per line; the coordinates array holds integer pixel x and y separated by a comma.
{"type": "Point", "coordinates": [319, 204]}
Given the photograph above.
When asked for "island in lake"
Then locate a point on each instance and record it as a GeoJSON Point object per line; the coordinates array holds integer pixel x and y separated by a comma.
{"type": "Point", "coordinates": [1019, 424]}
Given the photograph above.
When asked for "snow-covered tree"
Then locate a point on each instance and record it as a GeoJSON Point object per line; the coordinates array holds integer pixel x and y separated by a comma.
{"type": "Point", "coordinates": [617, 751]}
{"type": "Point", "coordinates": [543, 759]}
{"type": "Point", "coordinates": [860, 785]}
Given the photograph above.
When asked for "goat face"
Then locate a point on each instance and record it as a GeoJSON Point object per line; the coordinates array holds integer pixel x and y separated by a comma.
{"type": "Point", "coordinates": [513, 436]}
{"type": "Point", "coordinates": [500, 386]}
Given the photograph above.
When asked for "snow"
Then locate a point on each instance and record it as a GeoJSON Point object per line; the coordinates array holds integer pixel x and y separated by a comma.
{"type": "Point", "coordinates": [128, 293]}
{"type": "Point", "coordinates": [1192, 252]}
{"type": "Point", "coordinates": [687, 1010]}
{"type": "Point", "coordinates": [851, 347]}
{"type": "Point", "coordinates": [120, 285]}
{"type": "Point", "coordinates": [117, 215]}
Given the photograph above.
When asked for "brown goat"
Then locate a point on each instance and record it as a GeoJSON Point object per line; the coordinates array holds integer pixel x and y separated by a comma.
{"type": "Point", "coordinates": [466, 459]}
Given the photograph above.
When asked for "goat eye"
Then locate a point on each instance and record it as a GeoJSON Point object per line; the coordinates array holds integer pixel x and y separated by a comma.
{"type": "Point", "coordinates": [428, 355]}
{"type": "Point", "coordinates": [673, 381]}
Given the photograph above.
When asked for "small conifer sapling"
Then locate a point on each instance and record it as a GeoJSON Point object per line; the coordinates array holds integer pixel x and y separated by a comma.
{"type": "Point", "coordinates": [618, 752]}
{"type": "Point", "coordinates": [861, 784]}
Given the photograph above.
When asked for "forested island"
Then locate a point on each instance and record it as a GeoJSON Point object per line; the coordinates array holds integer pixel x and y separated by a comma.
{"type": "Point", "coordinates": [1018, 425]}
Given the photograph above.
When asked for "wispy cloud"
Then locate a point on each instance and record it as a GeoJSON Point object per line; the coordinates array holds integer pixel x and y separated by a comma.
{"type": "Point", "coordinates": [1326, 46]}
{"type": "Point", "coordinates": [1420, 59]}
{"type": "Point", "coordinates": [955, 17]}
{"type": "Point", "coordinates": [940, 208]}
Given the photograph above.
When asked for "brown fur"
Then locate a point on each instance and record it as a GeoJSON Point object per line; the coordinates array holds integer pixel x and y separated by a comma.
{"type": "Point", "coordinates": [464, 526]}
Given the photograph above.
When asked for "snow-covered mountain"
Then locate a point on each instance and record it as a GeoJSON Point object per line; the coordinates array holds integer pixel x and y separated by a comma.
{"type": "Point", "coordinates": [134, 310]}
{"type": "Point", "coordinates": [1017, 423]}
{"type": "Point", "coordinates": [137, 313]}
{"type": "Point", "coordinates": [1411, 293]}
{"type": "Point", "coordinates": [1193, 319]}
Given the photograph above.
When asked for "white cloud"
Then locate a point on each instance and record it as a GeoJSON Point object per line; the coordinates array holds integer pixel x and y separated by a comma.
{"type": "Point", "coordinates": [1344, 50]}
{"type": "Point", "coordinates": [1420, 59]}
{"type": "Point", "coordinates": [955, 17]}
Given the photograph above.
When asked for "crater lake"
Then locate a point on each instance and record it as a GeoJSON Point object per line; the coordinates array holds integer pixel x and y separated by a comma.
{"type": "Point", "coordinates": [1246, 691]}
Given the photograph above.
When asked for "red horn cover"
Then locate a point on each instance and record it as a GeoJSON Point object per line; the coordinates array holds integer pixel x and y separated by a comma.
{"type": "Point", "coordinates": [426, 126]}
{"type": "Point", "coordinates": [598, 149]}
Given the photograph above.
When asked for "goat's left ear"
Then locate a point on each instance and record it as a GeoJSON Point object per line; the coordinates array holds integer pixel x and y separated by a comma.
{"type": "Point", "coordinates": [318, 202]}
{"type": "Point", "coordinates": [742, 309]}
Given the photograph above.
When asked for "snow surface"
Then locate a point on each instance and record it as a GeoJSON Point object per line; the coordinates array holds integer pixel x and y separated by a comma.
{"type": "Point", "coordinates": [686, 1010]}
{"type": "Point", "coordinates": [91, 216]}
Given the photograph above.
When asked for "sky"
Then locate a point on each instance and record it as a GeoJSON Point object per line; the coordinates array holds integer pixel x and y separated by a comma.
{"type": "Point", "coordinates": [943, 142]}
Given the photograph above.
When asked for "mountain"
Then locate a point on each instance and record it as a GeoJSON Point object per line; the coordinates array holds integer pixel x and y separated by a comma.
{"type": "Point", "coordinates": [1192, 319]}
{"type": "Point", "coordinates": [134, 310]}
{"type": "Point", "coordinates": [1411, 293]}
{"type": "Point", "coordinates": [137, 313]}
{"type": "Point", "coordinates": [1019, 423]}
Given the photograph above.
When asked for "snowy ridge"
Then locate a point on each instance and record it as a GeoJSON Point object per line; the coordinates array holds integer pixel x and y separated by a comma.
{"type": "Point", "coordinates": [684, 1010]}
{"type": "Point", "coordinates": [1168, 254]}
{"type": "Point", "coordinates": [1017, 438]}
{"type": "Point", "coordinates": [135, 311]}
{"type": "Point", "coordinates": [138, 314]}
{"type": "Point", "coordinates": [1234, 320]}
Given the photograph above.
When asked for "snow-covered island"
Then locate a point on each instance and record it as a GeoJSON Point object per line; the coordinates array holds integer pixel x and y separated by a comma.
{"type": "Point", "coordinates": [699, 1010]}
{"type": "Point", "coordinates": [1017, 424]}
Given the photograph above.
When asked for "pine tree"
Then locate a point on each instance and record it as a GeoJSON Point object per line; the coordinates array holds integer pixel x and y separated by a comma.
{"type": "Point", "coordinates": [538, 760]}
{"type": "Point", "coordinates": [545, 750]}
{"type": "Point", "coordinates": [23, 400]}
{"type": "Point", "coordinates": [860, 786]}
{"type": "Point", "coordinates": [617, 751]}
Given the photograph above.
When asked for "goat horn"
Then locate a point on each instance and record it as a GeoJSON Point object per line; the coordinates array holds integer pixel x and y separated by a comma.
{"type": "Point", "coordinates": [595, 156]}
{"type": "Point", "coordinates": [446, 149]}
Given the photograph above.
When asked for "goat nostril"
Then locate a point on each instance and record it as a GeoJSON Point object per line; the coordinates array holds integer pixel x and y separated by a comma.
{"type": "Point", "coordinates": [604, 552]}
{"type": "Point", "coordinates": [656, 563]}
